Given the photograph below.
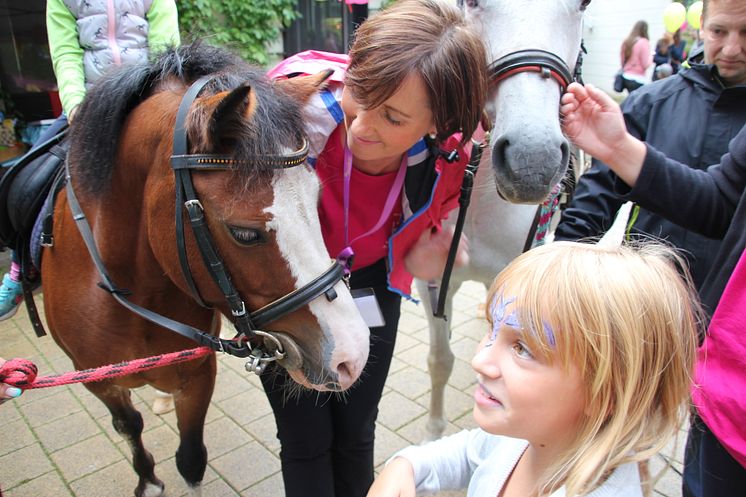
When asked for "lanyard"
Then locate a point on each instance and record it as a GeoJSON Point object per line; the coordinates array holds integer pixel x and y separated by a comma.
{"type": "Point", "coordinates": [345, 256]}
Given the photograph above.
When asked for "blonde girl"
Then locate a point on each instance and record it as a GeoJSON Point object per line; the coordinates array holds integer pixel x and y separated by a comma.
{"type": "Point", "coordinates": [585, 370]}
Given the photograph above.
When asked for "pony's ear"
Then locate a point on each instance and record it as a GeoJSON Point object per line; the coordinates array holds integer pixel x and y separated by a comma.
{"type": "Point", "coordinates": [301, 88]}
{"type": "Point", "coordinates": [229, 110]}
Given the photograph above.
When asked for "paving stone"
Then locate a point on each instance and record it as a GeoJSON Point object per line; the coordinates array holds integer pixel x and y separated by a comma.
{"type": "Point", "coordinates": [395, 410]}
{"type": "Point", "coordinates": [229, 384]}
{"type": "Point", "coordinates": [246, 407]}
{"type": "Point", "coordinates": [269, 487]}
{"type": "Point", "coordinates": [86, 457]}
{"type": "Point", "coordinates": [416, 356]}
{"type": "Point", "coordinates": [67, 431]}
{"type": "Point", "coordinates": [117, 480]}
{"type": "Point", "coordinates": [218, 488]}
{"type": "Point", "coordinates": [410, 382]}
{"type": "Point", "coordinates": [47, 485]}
{"type": "Point", "coordinates": [387, 443]}
{"type": "Point", "coordinates": [224, 435]}
{"type": "Point", "coordinates": [16, 434]}
{"type": "Point", "coordinates": [23, 465]}
{"type": "Point", "coordinates": [45, 410]}
{"type": "Point", "coordinates": [243, 467]}
{"type": "Point", "coordinates": [264, 431]}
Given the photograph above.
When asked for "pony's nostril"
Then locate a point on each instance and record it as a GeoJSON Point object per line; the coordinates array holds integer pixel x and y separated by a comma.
{"type": "Point", "coordinates": [345, 374]}
{"type": "Point", "coordinates": [500, 151]}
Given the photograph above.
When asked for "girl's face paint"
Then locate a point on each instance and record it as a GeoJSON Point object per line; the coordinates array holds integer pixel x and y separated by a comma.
{"type": "Point", "coordinates": [519, 393]}
{"type": "Point", "coordinates": [500, 318]}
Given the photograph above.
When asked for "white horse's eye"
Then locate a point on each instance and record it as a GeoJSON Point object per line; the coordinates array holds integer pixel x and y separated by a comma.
{"type": "Point", "coordinates": [246, 236]}
{"type": "Point", "coordinates": [584, 4]}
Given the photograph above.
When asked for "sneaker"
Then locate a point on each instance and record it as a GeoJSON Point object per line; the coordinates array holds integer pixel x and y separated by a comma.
{"type": "Point", "coordinates": [11, 294]}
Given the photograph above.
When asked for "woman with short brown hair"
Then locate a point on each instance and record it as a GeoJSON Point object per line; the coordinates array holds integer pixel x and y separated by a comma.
{"type": "Point", "coordinates": [388, 139]}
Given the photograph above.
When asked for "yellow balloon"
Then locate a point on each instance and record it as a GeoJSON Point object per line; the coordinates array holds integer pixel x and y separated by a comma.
{"type": "Point", "coordinates": [694, 14]}
{"type": "Point", "coordinates": [674, 16]}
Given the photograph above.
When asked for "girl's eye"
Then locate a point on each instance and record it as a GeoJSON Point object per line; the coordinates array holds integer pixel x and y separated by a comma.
{"type": "Point", "coordinates": [246, 236]}
{"type": "Point", "coordinates": [522, 351]}
{"type": "Point", "coordinates": [391, 119]}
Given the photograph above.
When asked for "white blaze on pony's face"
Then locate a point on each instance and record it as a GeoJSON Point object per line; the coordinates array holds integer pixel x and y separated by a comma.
{"type": "Point", "coordinates": [529, 151]}
{"type": "Point", "coordinates": [345, 341]}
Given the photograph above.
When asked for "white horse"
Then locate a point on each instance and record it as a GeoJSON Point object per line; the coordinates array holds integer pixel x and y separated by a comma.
{"type": "Point", "coordinates": [533, 46]}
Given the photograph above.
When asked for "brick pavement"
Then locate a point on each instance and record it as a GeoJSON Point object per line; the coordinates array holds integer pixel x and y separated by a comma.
{"type": "Point", "coordinates": [59, 442]}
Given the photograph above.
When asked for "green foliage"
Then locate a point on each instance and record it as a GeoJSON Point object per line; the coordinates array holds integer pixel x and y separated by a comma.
{"type": "Point", "coordinates": [244, 26]}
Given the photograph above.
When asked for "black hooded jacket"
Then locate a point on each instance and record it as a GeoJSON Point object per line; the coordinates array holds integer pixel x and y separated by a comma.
{"type": "Point", "coordinates": [690, 117]}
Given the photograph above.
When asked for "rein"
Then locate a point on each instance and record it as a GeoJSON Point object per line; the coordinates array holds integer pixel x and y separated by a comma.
{"type": "Point", "coordinates": [438, 304]}
{"type": "Point", "coordinates": [247, 324]}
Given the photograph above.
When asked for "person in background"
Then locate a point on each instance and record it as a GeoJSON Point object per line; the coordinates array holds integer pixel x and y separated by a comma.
{"type": "Point", "coordinates": [691, 117]}
{"type": "Point", "coordinates": [85, 40]}
{"type": "Point", "coordinates": [388, 140]}
{"type": "Point", "coordinates": [677, 50]}
{"type": "Point", "coordinates": [662, 57]}
{"type": "Point", "coordinates": [715, 205]}
{"type": "Point", "coordinates": [635, 56]}
{"type": "Point", "coordinates": [569, 395]}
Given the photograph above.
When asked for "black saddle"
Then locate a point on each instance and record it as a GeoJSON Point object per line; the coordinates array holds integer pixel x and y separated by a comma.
{"type": "Point", "coordinates": [24, 187]}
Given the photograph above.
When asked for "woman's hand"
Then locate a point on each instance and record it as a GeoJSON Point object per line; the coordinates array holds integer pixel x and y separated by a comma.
{"type": "Point", "coordinates": [427, 258]}
{"type": "Point", "coordinates": [396, 480]}
{"type": "Point", "coordinates": [7, 391]}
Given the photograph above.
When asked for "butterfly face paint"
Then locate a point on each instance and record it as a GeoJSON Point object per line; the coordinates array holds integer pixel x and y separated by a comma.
{"type": "Point", "coordinates": [501, 317]}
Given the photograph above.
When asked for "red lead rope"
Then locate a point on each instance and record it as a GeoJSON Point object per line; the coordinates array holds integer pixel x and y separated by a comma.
{"type": "Point", "coordinates": [21, 373]}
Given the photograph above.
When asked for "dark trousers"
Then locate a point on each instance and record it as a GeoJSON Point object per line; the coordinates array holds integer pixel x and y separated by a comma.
{"type": "Point", "coordinates": [709, 470]}
{"type": "Point", "coordinates": [327, 438]}
{"type": "Point", "coordinates": [631, 85]}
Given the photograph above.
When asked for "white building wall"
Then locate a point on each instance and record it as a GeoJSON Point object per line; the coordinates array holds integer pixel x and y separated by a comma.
{"type": "Point", "coordinates": [606, 24]}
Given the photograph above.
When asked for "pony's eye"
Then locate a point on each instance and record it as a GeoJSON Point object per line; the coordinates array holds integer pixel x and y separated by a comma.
{"type": "Point", "coordinates": [246, 236]}
{"type": "Point", "coordinates": [584, 4]}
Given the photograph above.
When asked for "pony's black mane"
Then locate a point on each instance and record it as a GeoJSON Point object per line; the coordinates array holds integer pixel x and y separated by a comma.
{"type": "Point", "coordinates": [99, 121]}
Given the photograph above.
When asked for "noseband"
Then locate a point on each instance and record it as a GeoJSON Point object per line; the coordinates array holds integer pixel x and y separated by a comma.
{"type": "Point", "coordinates": [546, 63]}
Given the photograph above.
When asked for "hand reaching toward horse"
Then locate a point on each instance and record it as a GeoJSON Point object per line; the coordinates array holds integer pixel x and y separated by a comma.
{"type": "Point", "coordinates": [396, 480]}
{"type": "Point", "coordinates": [427, 258]}
{"type": "Point", "coordinates": [594, 122]}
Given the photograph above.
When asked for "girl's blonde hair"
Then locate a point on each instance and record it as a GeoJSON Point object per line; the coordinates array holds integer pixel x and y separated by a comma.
{"type": "Point", "coordinates": [628, 318]}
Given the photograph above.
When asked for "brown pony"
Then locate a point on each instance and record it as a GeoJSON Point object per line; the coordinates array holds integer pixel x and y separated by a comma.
{"type": "Point", "coordinates": [133, 163]}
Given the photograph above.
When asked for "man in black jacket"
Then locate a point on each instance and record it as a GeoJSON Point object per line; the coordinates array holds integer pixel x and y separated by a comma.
{"type": "Point", "coordinates": [690, 116]}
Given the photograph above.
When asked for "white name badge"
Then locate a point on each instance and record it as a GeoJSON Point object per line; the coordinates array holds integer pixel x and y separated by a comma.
{"type": "Point", "coordinates": [365, 299]}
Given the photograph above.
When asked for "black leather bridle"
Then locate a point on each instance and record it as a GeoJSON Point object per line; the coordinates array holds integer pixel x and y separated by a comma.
{"type": "Point", "coordinates": [260, 345]}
